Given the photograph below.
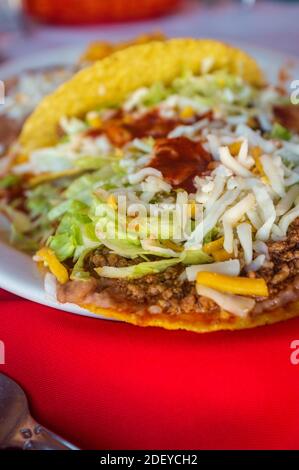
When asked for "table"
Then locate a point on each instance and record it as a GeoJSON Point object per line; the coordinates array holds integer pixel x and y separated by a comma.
{"type": "Point", "coordinates": [109, 385]}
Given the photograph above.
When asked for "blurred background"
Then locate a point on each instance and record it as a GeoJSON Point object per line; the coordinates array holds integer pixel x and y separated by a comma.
{"type": "Point", "coordinates": [28, 26]}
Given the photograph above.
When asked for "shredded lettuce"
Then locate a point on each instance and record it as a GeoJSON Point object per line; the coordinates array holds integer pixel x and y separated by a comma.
{"type": "Point", "coordinates": [126, 248]}
{"type": "Point", "coordinates": [23, 241]}
{"type": "Point", "coordinates": [138, 270]}
{"type": "Point", "coordinates": [78, 272]}
{"type": "Point", "coordinates": [82, 188]}
{"type": "Point", "coordinates": [40, 200]}
{"type": "Point", "coordinates": [70, 206]}
{"type": "Point", "coordinates": [156, 93]}
{"type": "Point", "coordinates": [195, 257]}
{"type": "Point", "coordinates": [211, 235]}
{"type": "Point", "coordinates": [92, 163]}
{"type": "Point", "coordinates": [19, 220]}
{"type": "Point", "coordinates": [214, 88]}
{"type": "Point", "coordinates": [63, 244]}
{"type": "Point", "coordinates": [75, 232]}
{"type": "Point", "coordinates": [9, 181]}
{"type": "Point", "coordinates": [280, 132]}
{"type": "Point", "coordinates": [208, 90]}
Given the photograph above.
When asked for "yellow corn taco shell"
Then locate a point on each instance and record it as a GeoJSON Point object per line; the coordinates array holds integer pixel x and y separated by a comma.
{"type": "Point", "coordinates": [110, 80]}
{"type": "Point", "coordinates": [191, 323]}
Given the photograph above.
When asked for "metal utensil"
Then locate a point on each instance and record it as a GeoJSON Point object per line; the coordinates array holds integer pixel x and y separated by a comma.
{"type": "Point", "coordinates": [17, 428]}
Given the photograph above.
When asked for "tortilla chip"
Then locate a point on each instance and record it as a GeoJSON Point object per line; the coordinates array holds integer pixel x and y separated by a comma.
{"type": "Point", "coordinates": [110, 80]}
{"type": "Point", "coordinates": [190, 323]}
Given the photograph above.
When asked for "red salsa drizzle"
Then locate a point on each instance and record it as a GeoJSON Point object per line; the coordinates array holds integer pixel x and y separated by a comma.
{"type": "Point", "coordinates": [114, 130]}
{"type": "Point", "coordinates": [288, 116]}
{"type": "Point", "coordinates": [122, 128]}
{"type": "Point", "coordinates": [151, 124]}
{"type": "Point", "coordinates": [180, 160]}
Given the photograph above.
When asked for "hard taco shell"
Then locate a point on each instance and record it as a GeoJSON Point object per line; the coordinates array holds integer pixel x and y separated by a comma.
{"type": "Point", "coordinates": [110, 80]}
{"type": "Point", "coordinates": [192, 323]}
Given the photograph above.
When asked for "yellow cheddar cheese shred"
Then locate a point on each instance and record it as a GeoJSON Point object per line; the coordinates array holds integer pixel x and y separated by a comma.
{"type": "Point", "coordinates": [235, 147]}
{"type": "Point", "coordinates": [50, 260]}
{"type": "Point", "coordinates": [215, 245]}
{"type": "Point", "coordinates": [233, 285]}
{"type": "Point", "coordinates": [187, 112]}
{"type": "Point", "coordinates": [221, 255]}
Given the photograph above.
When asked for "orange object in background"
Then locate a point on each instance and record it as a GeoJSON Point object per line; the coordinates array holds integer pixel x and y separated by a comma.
{"type": "Point", "coordinates": [95, 11]}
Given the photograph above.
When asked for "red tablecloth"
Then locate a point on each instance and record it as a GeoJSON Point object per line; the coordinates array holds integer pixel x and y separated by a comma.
{"type": "Point", "coordinates": [105, 384]}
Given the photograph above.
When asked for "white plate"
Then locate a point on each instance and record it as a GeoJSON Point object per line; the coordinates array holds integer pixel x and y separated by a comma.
{"type": "Point", "coordinates": [18, 273]}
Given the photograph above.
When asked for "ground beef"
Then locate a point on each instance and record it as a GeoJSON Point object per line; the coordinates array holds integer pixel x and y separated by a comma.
{"type": "Point", "coordinates": [104, 257]}
{"type": "Point", "coordinates": [281, 271]}
{"type": "Point", "coordinates": [165, 291]}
